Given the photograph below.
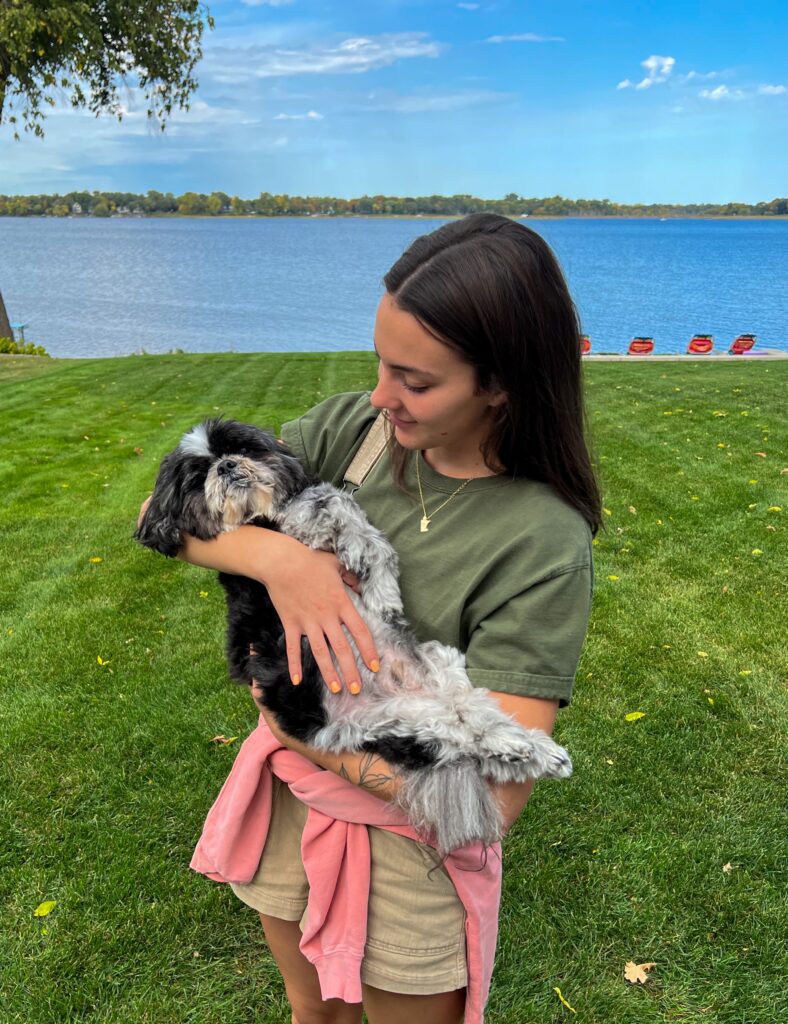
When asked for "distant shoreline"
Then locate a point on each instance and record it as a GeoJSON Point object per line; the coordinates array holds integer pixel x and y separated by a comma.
{"type": "Point", "coordinates": [390, 216]}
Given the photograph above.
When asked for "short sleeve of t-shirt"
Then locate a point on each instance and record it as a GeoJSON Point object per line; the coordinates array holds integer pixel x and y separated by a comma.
{"type": "Point", "coordinates": [325, 439]}
{"type": "Point", "coordinates": [504, 574]}
{"type": "Point", "coordinates": [531, 645]}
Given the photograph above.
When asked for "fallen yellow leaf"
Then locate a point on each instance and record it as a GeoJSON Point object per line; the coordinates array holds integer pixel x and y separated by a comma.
{"type": "Point", "coordinates": [101, 661]}
{"type": "Point", "coordinates": [95, 559]}
{"type": "Point", "coordinates": [757, 551]}
{"type": "Point", "coordinates": [633, 716]}
{"type": "Point", "coordinates": [636, 973]}
{"type": "Point", "coordinates": [45, 908]}
{"type": "Point", "coordinates": [774, 508]}
{"type": "Point", "coordinates": [566, 1004]}
{"type": "Point", "coordinates": [702, 654]}
{"type": "Point", "coordinates": [614, 577]}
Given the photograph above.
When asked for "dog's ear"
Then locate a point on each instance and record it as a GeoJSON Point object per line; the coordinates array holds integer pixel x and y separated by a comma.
{"type": "Point", "coordinates": [162, 525]}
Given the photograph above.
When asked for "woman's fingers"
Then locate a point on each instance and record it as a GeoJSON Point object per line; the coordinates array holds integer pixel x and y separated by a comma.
{"type": "Point", "coordinates": [322, 611]}
{"type": "Point", "coordinates": [293, 647]}
{"type": "Point", "coordinates": [332, 650]}
{"type": "Point", "coordinates": [362, 637]}
{"type": "Point", "coordinates": [345, 660]}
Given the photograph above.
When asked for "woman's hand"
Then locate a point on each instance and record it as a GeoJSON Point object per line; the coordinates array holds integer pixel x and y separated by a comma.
{"type": "Point", "coordinates": [309, 592]}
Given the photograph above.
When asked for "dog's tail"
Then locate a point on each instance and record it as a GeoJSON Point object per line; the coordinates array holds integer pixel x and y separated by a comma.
{"type": "Point", "coordinates": [451, 805]}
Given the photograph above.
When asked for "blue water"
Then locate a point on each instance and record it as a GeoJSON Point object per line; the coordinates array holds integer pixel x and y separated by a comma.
{"type": "Point", "coordinates": [111, 287]}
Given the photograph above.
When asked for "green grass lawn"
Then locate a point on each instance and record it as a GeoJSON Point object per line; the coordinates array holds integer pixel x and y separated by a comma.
{"type": "Point", "coordinates": [665, 846]}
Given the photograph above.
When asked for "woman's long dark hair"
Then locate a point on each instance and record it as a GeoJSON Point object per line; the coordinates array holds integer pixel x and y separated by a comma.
{"type": "Point", "coordinates": [492, 290]}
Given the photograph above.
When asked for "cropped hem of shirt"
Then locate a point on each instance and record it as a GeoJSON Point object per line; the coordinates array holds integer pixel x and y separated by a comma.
{"type": "Point", "coordinates": [549, 687]}
{"type": "Point", "coordinates": [505, 573]}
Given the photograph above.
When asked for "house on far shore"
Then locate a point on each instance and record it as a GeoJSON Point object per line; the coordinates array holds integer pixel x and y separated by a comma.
{"type": "Point", "coordinates": [76, 209]}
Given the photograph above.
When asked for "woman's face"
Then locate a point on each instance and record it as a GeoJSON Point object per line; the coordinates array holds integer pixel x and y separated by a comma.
{"type": "Point", "coordinates": [430, 393]}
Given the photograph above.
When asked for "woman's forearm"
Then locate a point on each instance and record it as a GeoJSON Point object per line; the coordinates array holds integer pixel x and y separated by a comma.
{"type": "Point", "coordinates": [367, 771]}
{"type": "Point", "coordinates": [241, 552]}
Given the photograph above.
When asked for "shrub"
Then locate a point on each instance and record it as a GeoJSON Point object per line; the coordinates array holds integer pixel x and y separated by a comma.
{"type": "Point", "coordinates": [15, 348]}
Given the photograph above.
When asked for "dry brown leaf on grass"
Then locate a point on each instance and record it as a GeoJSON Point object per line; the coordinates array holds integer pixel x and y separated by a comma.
{"type": "Point", "coordinates": [224, 740]}
{"type": "Point", "coordinates": [637, 972]}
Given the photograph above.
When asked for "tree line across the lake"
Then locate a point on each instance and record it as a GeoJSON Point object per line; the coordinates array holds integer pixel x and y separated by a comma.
{"type": "Point", "coordinates": [190, 204]}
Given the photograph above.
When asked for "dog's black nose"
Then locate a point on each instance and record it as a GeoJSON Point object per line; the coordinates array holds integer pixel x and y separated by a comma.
{"type": "Point", "coordinates": [226, 466]}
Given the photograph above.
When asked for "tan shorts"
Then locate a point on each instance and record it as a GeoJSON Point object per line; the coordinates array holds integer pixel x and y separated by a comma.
{"type": "Point", "coordinates": [416, 924]}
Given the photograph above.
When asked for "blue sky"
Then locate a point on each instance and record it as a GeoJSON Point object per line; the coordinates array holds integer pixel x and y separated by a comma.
{"type": "Point", "coordinates": [650, 101]}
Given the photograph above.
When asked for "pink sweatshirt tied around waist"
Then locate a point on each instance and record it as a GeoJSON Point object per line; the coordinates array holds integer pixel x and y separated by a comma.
{"type": "Point", "coordinates": [336, 857]}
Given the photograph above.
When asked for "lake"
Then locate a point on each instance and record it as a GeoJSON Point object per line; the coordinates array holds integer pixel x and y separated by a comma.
{"type": "Point", "coordinates": [106, 287]}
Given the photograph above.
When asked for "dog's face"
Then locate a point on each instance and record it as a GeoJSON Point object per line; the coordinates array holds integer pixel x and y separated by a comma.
{"type": "Point", "coordinates": [222, 474]}
{"type": "Point", "coordinates": [248, 474]}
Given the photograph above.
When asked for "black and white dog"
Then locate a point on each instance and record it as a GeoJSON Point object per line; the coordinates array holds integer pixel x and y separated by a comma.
{"type": "Point", "coordinates": [446, 739]}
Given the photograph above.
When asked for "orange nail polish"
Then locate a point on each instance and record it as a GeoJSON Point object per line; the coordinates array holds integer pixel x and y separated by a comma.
{"type": "Point", "coordinates": [354, 688]}
{"type": "Point", "coordinates": [296, 680]}
{"type": "Point", "coordinates": [375, 665]}
{"type": "Point", "coordinates": [334, 687]}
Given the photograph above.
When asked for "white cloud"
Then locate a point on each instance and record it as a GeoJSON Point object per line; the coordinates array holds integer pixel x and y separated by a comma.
{"type": "Point", "coordinates": [469, 7]}
{"type": "Point", "coordinates": [626, 84]}
{"type": "Point", "coordinates": [525, 37]}
{"type": "Point", "coordinates": [350, 56]}
{"type": "Point", "coordinates": [771, 90]}
{"type": "Point", "coordinates": [311, 115]}
{"type": "Point", "coordinates": [699, 76]}
{"type": "Point", "coordinates": [722, 92]}
{"type": "Point", "coordinates": [658, 70]}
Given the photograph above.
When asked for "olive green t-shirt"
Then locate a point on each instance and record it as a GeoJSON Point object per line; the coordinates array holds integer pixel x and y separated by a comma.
{"type": "Point", "coordinates": [504, 573]}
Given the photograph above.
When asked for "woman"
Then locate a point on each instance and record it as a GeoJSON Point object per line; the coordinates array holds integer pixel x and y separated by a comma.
{"type": "Point", "coordinates": [488, 495]}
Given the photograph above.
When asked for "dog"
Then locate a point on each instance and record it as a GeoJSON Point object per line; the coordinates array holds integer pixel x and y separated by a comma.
{"type": "Point", "coordinates": [445, 739]}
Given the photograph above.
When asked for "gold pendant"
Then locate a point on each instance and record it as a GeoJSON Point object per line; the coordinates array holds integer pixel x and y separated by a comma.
{"type": "Point", "coordinates": [425, 524]}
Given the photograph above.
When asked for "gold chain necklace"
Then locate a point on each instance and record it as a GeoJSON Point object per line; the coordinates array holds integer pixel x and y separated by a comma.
{"type": "Point", "coordinates": [426, 519]}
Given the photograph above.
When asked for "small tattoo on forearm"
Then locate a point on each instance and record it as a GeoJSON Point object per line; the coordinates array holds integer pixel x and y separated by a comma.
{"type": "Point", "coordinates": [368, 778]}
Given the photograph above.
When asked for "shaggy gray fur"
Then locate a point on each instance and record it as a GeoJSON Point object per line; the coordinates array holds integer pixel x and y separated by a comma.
{"type": "Point", "coordinates": [421, 692]}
